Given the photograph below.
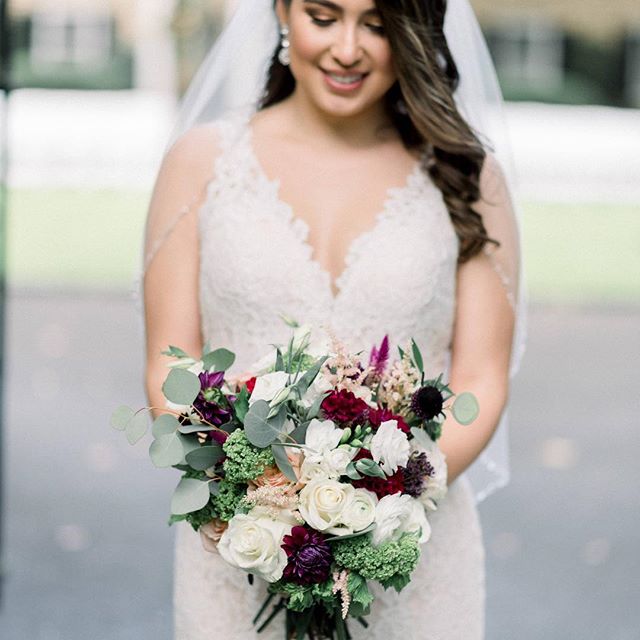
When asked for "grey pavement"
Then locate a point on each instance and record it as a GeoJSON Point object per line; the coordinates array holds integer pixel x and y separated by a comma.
{"type": "Point", "coordinates": [88, 553]}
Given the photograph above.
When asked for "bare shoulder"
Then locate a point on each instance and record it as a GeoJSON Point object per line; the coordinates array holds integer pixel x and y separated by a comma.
{"type": "Point", "coordinates": [196, 149]}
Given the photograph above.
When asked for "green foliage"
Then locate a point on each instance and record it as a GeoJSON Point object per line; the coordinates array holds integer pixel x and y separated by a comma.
{"type": "Point", "coordinates": [166, 450]}
{"type": "Point", "coordinates": [241, 405]}
{"type": "Point", "coordinates": [301, 597]}
{"type": "Point", "coordinates": [377, 563]}
{"type": "Point", "coordinates": [121, 417]}
{"type": "Point", "coordinates": [198, 518]}
{"type": "Point", "coordinates": [361, 597]}
{"type": "Point", "coordinates": [190, 495]}
{"type": "Point", "coordinates": [204, 457]}
{"type": "Point", "coordinates": [218, 360]}
{"type": "Point", "coordinates": [229, 497]}
{"type": "Point", "coordinates": [244, 461]}
{"type": "Point", "coordinates": [181, 386]}
{"type": "Point", "coordinates": [262, 429]}
{"type": "Point", "coordinates": [465, 408]}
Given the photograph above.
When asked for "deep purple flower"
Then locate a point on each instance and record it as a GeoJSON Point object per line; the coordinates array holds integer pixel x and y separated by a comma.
{"type": "Point", "coordinates": [210, 403]}
{"type": "Point", "coordinates": [309, 556]}
{"type": "Point", "coordinates": [427, 402]}
{"type": "Point", "coordinates": [415, 473]}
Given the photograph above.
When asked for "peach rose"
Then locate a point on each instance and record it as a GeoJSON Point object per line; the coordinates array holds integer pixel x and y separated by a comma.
{"type": "Point", "coordinates": [272, 477]}
{"type": "Point", "coordinates": [211, 533]}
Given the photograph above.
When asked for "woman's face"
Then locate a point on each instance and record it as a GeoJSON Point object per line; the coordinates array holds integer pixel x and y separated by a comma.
{"type": "Point", "coordinates": [340, 57]}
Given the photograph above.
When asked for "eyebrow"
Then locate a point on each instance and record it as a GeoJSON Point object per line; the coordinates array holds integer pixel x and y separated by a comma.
{"type": "Point", "coordinates": [331, 5]}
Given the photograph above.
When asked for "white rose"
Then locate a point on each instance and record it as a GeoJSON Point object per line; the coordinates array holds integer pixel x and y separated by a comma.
{"type": "Point", "coordinates": [253, 542]}
{"type": "Point", "coordinates": [360, 512]}
{"type": "Point", "coordinates": [435, 487]}
{"type": "Point", "coordinates": [390, 447]}
{"type": "Point", "coordinates": [269, 386]}
{"type": "Point", "coordinates": [322, 436]}
{"type": "Point", "coordinates": [322, 503]}
{"type": "Point", "coordinates": [338, 459]}
{"type": "Point", "coordinates": [310, 471]}
{"type": "Point", "coordinates": [397, 514]}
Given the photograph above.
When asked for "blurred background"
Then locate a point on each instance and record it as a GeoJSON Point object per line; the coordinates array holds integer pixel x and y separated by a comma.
{"type": "Point", "coordinates": [90, 89]}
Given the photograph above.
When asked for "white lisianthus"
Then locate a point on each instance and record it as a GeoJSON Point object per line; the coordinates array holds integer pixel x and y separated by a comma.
{"type": "Point", "coordinates": [268, 386]}
{"type": "Point", "coordinates": [310, 471]}
{"type": "Point", "coordinates": [330, 465]}
{"type": "Point", "coordinates": [338, 459]}
{"type": "Point", "coordinates": [435, 486]}
{"type": "Point", "coordinates": [322, 503]}
{"type": "Point", "coordinates": [322, 436]}
{"type": "Point", "coordinates": [253, 542]}
{"type": "Point", "coordinates": [361, 511]}
{"type": "Point", "coordinates": [264, 365]}
{"type": "Point", "coordinates": [397, 514]}
{"type": "Point", "coordinates": [390, 447]}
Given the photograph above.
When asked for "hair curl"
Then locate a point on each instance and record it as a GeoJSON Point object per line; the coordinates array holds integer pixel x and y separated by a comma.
{"type": "Point", "coordinates": [428, 119]}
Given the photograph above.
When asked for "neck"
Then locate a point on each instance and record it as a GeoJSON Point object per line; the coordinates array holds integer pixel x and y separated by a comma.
{"type": "Point", "coordinates": [362, 129]}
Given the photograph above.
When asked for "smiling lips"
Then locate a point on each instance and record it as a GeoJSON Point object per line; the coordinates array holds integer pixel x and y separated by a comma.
{"type": "Point", "coordinates": [341, 81]}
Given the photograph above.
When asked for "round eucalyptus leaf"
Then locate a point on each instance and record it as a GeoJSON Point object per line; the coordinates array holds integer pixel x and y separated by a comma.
{"type": "Point", "coordinates": [194, 428]}
{"type": "Point", "coordinates": [465, 408]}
{"type": "Point", "coordinates": [181, 386]}
{"type": "Point", "coordinates": [121, 416]}
{"type": "Point", "coordinates": [137, 427]}
{"type": "Point", "coordinates": [166, 451]}
{"type": "Point", "coordinates": [204, 457]}
{"type": "Point", "coordinates": [260, 431]}
{"type": "Point", "coordinates": [164, 425]}
{"type": "Point", "coordinates": [218, 360]}
{"type": "Point", "coordinates": [190, 495]}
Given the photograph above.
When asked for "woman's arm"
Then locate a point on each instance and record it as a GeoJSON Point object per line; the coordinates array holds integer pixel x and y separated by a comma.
{"type": "Point", "coordinates": [171, 298]}
{"type": "Point", "coordinates": [483, 334]}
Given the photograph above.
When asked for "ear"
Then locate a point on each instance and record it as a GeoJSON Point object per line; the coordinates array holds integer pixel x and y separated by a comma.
{"type": "Point", "coordinates": [282, 11]}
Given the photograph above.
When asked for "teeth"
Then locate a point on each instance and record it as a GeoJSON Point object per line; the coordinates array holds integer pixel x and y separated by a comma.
{"type": "Point", "coordinates": [346, 79]}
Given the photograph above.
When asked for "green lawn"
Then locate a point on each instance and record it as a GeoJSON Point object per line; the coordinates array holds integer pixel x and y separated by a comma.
{"type": "Point", "coordinates": [92, 240]}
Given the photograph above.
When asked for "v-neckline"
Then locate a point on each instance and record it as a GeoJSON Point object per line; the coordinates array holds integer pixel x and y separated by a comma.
{"type": "Point", "coordinates": [334, 287]}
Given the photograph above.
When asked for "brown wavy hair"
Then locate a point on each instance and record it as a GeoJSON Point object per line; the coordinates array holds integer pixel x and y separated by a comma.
{"type": "Point", "coordinates": [422, 108]}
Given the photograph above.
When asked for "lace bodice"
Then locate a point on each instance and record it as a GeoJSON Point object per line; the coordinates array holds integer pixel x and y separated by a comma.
{"type": "Point", "coordinates": [256, 263]}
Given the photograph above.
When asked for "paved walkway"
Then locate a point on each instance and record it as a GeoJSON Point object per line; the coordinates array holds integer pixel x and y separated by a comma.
{"type": "Point", "coordinates": [88, 553]}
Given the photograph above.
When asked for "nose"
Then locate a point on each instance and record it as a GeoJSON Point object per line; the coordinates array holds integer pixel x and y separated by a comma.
{"type": "Point", "coordinates": [346, 49]}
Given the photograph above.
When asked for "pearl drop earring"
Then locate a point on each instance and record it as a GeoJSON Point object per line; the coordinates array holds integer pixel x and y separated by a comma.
{"type": "Point", "coordinates": [283, 54]}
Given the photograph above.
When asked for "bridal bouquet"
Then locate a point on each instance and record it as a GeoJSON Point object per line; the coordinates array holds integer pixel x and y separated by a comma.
{"type": "Point", "coordinates": [315, 471]}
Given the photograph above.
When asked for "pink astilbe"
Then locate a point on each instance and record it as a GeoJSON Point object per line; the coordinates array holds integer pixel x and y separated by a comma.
{"type": "Point", "coordinates": [340, 585]}
{"type": "Point", "coordinates": [343, 370]}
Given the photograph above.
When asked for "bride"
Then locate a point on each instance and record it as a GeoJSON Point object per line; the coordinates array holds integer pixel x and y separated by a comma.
{"type": "Point", "coordinates": [323, 168]}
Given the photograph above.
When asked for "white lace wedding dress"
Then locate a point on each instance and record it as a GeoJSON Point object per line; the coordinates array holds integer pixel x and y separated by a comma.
{"type": "Point", "coordinates": [399, 279]}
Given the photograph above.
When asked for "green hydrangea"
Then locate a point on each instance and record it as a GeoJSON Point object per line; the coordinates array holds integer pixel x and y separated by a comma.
{"type": "Point", "coordinates": [244, 461]}
{"type": "Point", "coordinates": [229, 497]}
{"type": "Point", "coordinates": [382, 563]}
{"type": "Point", "coordinates": [301, 597]}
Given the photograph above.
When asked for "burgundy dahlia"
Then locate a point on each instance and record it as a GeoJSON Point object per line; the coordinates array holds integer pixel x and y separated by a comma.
{"type": "Point", "coordinates": [209, 405]}
{"type": "Point", "coordinates": [427, 402]}
{"type": "Point", "coordinates": [309, 556]}
{"type": "Point", "coordinates": [381, 487]}
{"type": "Point", "coordinates": [415, 473]}
{"type": "Point", "coordinates": [377, 416]}
{"type": "Point", "coordinates": [343, 407]}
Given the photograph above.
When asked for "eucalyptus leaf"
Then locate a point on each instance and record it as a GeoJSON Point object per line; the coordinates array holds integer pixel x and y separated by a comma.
{"type": "Point", "coordinates": [190, 495]}
{"type": "Point", "coordinates": [121, 417]}
{"type": "Point", "coordinates": [299, 434]}
{"type": "Point", "coordinates": [214, 488]}
{"type": "Point", "coordinates": [370, 468]}
{"type": "Point", "coordinates": [218, 360]}
{"type": "Point", "coordinates": [279, 360]}
{"type": "Point", "coordinates": [465, 408]}
{"type": "Point", "coordinates": [181, 386]}
{"type": "Point", "coordinates": [371, 527]}
{"type": "Point", "coordinates": [164, 425]}
{"type": "Point", "coordinates": [189, 444]}
{"type": "Point", "coordinates": [260, 431]}
{"type": "Point", "coordinates": [137, 427]}
{"type": "Point", "coordinates": [282, 460]}
{"type": "Point", "coordinates": [314, 409]}
{"type": "Point", "coordinates": [176, 352]}
{"type": "Point", "coordinates": [194, 428]}
{"type": "Point", "coordinates": [204, 457]}
{"type": "Point", "coordinates": [417, 356]}
{"type": "Point", "coordinates": [166, 451]}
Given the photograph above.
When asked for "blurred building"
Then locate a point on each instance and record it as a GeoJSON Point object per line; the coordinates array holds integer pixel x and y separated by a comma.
{"type": "Point", "coordinates": [576, 51]}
